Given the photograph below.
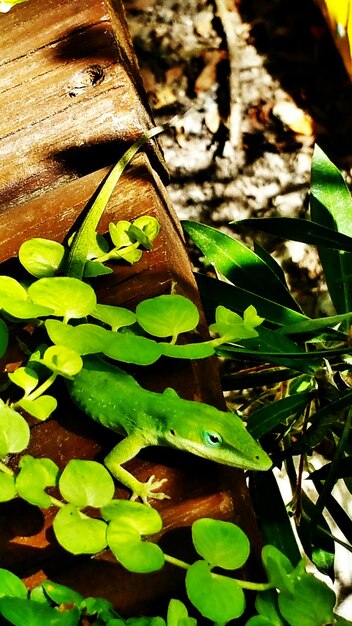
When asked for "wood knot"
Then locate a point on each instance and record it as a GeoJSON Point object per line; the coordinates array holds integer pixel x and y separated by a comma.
{"type": "Point", "coordinates": [85, 79]}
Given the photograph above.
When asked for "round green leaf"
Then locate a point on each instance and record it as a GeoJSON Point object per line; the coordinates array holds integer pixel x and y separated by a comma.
{"type": "Point", "coordinates": [167, 315]}
{"type": "Point", "coordinates": [60, 594]}
{"type": "Point", "coordinates": [131, 348]}
{"type": "Point", "coordinates": [188, 350]}
{"type": "Point", "coordinates": [26, 310]}
{"type": "Point", "coordinates": [41, 408]}
{"type": "Point", "coordinates": [177, 614]}
{"type": "Point", "coordinates": [41, 257]}
{"type": "Point", "coordinates": [34, 477]}
{"type": "Point", "coordinates": [67, 297]}
{"type": "Point", "coordinates": [142, 518]}
{"type": "Point", "coordinates": [4, 337]}
{"type": "Point", "coordinates": [260, 620]}
{"type": "Point", "coordinates": [119, 233]}
{"type": "Point", "coordinates": [86, 483]}
{"type": "Point", "coordinates": [77, 533]}
{"type": "Point", "coordinates": [311, 602]}
{"type": "Point", "coordinates": [266, 604]}
{"type": "Point", "coordinates": [7, 487]}
{"type": "Point", "coordinates": [11, 585]}
{"type": "Point", "coordinates": [230, 326]}
{"type": "Point", "coordinates": [133, 553]}
{"type": "Point", "coordinates": [63, 360]}
{"type": "Point", "coordinates": [19, 612]}
{"type": "Point", "coordinates": [114, 316]}
{"type": "Point", "coordinates": [24, 377]}
{"type": "Point", "coordinates": [218, 598]}
{"type": "Point", "coordinates": [149, 225]}
{"type": "Point", "coordinates": [83, 339]}
{"type": "Point", "coordinates": [222, 544]}
{"type": "Point", "coordinates": [14, 431]}
{"type": "Point", "coordinates": [11, 289]}
{"type": "Point", "coordinates": [277, 567]}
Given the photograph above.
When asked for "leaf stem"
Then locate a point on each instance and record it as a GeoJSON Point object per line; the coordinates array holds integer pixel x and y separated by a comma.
{"type": "Point", "coordinates": [245, 584]}
{"type": "Point", "coordinates": [43, 387]}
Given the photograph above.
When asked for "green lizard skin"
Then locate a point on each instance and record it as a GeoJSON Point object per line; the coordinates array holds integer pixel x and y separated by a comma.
{"type": "Point", "coordinates": [114, 399]}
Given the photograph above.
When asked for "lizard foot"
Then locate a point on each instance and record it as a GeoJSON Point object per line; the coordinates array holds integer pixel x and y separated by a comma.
{"type": "Point", "coordinates": [147, 490]}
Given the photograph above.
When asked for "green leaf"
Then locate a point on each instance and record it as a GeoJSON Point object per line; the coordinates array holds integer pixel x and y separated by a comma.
{"type": "Point", "coordinates": [60, 594]}
{"type": "Point", "coordinates": [86, 483]}
{"type": "Point", "coordinates": [115, 316]}
{"type": "Point", "coordinates": [34, 477]}
{"type": "Point", "coordinates": [24, 377]}
{"type": "Point", "coordinates": [177, 614]}
{"type": "Point", "coordinates": [315, 325]}
{"type": "Point", "coordinates": [218, 599]}
{"type": "Point", "coordinates": [67, 297]}
{"type": "Point", "coordinates": [222, 544]}
{"type": "Point", "coordinates": [4, 338]}
{"type": "Point", "coordinates": [278, 567]}
{"type": "Point", "coordinates": [78, 533]}
{"type": "Point", "coordinates": [83, 339]}
{"type": "Point", "coordinates": [41, 408]}
{"type": "Point", "coordinates": [167, 315]}
{"type": "Point", "coordinates": [11, 585]}
{"type": "Point", "coordinates": [134, 554]}
{"type": "Point", "coordinates": [100, 608]}
{"type": "Point", "coordinates": [41, 257]}
{"type": "Point", "coordinates": [14, 431]}
{"type": "Point", "coordinates": [297, 229]}
{"type": "Point", "coordinates": [119, 233]}
{"type": "Point", "coordinates": [266, 604]}
{"type": "Point", "coordinates": [131, 348]}
{"type": "Point", "coordinates": [144, 519]}
{"type": "Point", "coordinates": [311, 603]}
{"type": "Point", "coordinates": [14, 300]}
{"type": "Point", "coordinates": [149, 225]}
{"type": "Point", "coordinates": [62, 360]}
{"type": "Point", "coordinates": [239, 264]}
{"type": "Point", "coordinates": [8, 489]}
{"type": "Point", "coordinates": [215, 292]}
{"type": "Point", "coordinates": [19, 612]}
{"type": "Point", "coordinates": [92, 269]}
{"type": "Point", "coordinates": [275, 525]}
{"type": "Point", "coordinates": [187, 350]}
{"type": "Point", "coordinates": [263, 420]}
{"type": "Point", "coordinates": [260, 620]}
{"type": "Point", "coordinates": [331, 206]}
{"type": "Point", "coordinates": [231, 327]}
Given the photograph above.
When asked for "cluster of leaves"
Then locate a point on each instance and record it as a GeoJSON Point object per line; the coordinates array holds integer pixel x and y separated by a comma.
{"type": "Point", "coordinates": [303, 363]}
{"type": "Point", "coordinates": [292, 596]}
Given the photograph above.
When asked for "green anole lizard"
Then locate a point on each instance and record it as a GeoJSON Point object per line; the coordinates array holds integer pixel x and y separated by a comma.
{"type": "Point", "coordinates": [114, 399]}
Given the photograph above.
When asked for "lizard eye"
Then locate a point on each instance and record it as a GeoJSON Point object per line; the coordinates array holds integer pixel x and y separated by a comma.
{"type": "Point", "coordinates": [212, 439]}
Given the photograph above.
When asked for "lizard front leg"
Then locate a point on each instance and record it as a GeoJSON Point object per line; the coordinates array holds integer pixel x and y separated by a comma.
{"type": "Point", "coordinates": [127, 449]}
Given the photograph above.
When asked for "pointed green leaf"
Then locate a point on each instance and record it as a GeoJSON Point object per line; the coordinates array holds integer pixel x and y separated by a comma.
{"type": "Point", "coordinates": [239, 264]}
{"type": "Point", "coordinates": [266, 418]}
{"type": "Point", "coordinates": [331, 206]}
{"type": "Point", "coordinates": [4, 338]}
{"type": "Point", "coordinates": [298, 229]}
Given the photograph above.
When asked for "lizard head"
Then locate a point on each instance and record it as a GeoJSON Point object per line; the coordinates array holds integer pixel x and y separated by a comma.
{"type": "Point", "coordinates": [216, 435]}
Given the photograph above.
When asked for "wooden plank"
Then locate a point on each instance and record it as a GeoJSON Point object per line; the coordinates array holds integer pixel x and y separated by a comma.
{"type": "Point", "coordinates": [70, 94]}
